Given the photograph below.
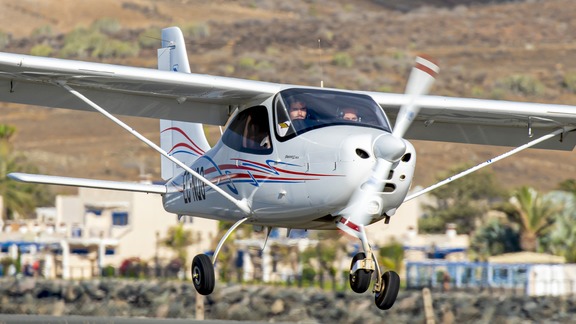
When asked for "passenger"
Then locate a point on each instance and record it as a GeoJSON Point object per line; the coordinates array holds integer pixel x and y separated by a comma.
{"type": "Point", "coordinates": [350, 114]}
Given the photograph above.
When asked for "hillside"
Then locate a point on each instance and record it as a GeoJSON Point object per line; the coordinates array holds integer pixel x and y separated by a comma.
{"type": "Point", "coordinates": [364, 45]}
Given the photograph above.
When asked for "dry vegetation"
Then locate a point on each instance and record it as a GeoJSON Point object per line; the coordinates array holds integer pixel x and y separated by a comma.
{"type": "Point", "coordinates": [521, 50]}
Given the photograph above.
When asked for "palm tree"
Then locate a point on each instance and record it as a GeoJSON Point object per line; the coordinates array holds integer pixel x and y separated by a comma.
{"type": "Point", "coordinates": [534, 214]}
{"type": "Point", "coordinates": [6, 133]}
{"type": "Point", "coordinates": [568, 186]}
{"type": "Point", "coordinates": [18, 198]}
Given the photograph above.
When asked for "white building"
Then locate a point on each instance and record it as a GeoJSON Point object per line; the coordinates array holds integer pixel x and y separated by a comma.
{"type": "Point", "coordinates": [97, 228]}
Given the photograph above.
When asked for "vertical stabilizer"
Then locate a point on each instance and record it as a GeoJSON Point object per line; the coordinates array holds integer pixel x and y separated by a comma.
{"type": "Point", "coordinates": [185, 141]}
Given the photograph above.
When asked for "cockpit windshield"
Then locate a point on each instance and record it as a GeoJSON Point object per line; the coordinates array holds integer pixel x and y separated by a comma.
{"type": "Point", "coordinates": [300, 110]}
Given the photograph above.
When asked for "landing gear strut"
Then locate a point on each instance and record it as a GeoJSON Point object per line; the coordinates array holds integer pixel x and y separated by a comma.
{"type": "Point", "coordinates": [203, 268]}
{"type": "Point", "coordinates": [363, 266]}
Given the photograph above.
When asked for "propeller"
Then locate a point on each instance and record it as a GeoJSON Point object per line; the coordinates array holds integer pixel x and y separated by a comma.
{"type": "Point", "coordinates": [388, 149]}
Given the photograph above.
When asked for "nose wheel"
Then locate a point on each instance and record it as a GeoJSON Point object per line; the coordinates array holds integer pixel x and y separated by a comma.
{"type": "Point", "coordinates": [203, 274]}
{"type": "Point", "coordinates": [359, 277]}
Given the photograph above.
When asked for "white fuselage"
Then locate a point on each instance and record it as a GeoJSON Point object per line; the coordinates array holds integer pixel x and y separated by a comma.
{"type": "Point", "coordinates": [304, 182]}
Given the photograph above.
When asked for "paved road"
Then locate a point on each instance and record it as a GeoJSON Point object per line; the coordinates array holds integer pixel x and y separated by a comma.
{"type": "Point", "coordinates": [17, 319]}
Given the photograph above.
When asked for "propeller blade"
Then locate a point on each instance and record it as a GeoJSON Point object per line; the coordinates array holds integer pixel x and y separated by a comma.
{"type": "Point", "coordinates": [421, 78]}
{"type": "Point", "coordinates": [365, 203]}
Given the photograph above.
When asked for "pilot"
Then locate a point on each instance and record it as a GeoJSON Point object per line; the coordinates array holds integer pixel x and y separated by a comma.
{"type": "Point", "coordinates": [349, 113]}
{"type": "Point", "coordinates": [298, 115]}
{"type": "Point", "coordinates": [298, 110]}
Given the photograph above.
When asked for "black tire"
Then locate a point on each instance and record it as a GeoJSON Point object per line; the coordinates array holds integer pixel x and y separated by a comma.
{"type": "Point", "coordinates": [386, 297]}
{"type": "Point", "coordinates": [360, 280]}
{"type": "Point", "coordinates": [203, 274]}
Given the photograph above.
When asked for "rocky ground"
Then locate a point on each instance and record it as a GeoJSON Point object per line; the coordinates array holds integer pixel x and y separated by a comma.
{"type": "Point", "coordinates": [270, 303]}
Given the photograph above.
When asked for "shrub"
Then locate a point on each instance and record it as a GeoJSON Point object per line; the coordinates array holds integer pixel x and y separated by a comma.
{"type": "Point", "coordinates": [115, 48]}
{"type": "Point", "coordinates": [342, 59]}
{"type": "Point", "coordinates": [41, 50]}
{"type": "Point", "coordinates": [247, 63]}
{"type": "Point", "coordinates": [107, 25]}
{"type": "Point", "coordinates": [150, 38]}
{"type": "Point", "coordinates": [522, 84]}
{"type": "Point", "coordinates": [42, 31]}
{"type": "Point", "coordinates": [83, 42]}
{"type": "Point", "coordinates": [132, 268]}
{"type": "Point", "coordinates": [196, 31]}
{"type": "Point", "coordinates": [80, 41]}
{"type": "Point", "coordinates": [4, 40]}
{"type": "Point", "coordinates": [108, 271]}
{"type": "Point", "coordinates": [569, 82]}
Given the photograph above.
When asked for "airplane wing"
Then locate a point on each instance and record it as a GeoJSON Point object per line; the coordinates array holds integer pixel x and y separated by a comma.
{"type": "Point", "coordinates": [89, 183]}
{"type": "Point", "coordinates": [123, 90]}
{"type": "Point", "coordinates": [487, 122]}
{"type": "Point", "coordinates": [146, 92]}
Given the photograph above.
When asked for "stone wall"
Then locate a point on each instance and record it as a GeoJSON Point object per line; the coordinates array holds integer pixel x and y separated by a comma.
{"type": "Point", "coordinates": [269, 303]}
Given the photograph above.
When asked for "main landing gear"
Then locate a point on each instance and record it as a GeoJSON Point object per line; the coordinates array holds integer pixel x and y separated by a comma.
{"type": "Point", "coordinates": [203, 275]}
{"type": "Point", "coordinates": [362, 267]}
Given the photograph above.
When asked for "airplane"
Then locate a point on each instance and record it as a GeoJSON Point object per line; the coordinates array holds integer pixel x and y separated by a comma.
{"type": "Point", "coordinates": [289, 156]}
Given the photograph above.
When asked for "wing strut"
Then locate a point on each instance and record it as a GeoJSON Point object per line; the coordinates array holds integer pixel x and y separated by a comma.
{"type": "Point", "coordinates": [241, 204]}
{"type": "Point", "coordinates": [557, 132]}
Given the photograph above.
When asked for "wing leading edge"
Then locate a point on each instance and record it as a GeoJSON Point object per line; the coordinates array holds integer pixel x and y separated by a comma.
{"type": "Point", "coordinates": [486, 122]}
{"type": "Point", "coordinates": [126, 90]}
{"type": "Point", "coordinates": [89, 183]}
{"type": "Point", "coordinates": [209, 99]}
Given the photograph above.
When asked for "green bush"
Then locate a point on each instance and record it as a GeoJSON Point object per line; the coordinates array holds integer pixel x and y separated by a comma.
{"type": "Point", "coordinates": [80, 42]}
{"type": "Point", "coordinates": [308, 274]}
{"type": "Point", "coordinates": [41, 50]}
{"type": "Point", "coordinates": [115, 48]}
{"type": "Point", "coordinates": [150, 38]}
{"type": "Point", "coordinates": [196, 31]}
{"type": "Point", "coordinates": [4, 40]}
{"type": "Point", "coordinates": [247, 63]}
{"type": "Point", "coordinates": [108, 271]}
{"type": "Point", "coordinates": [342, 59]}
{"type": "Point", "coordinates": [569, 82]}
{"type": "Point", "coordinates": [107, 25]}
{"type": "Point", "coordinates": [522, 84]}
{"type": "Point", "coordinates": [42, 31]}
{"type": "Point", "coordinates": [83, 42]}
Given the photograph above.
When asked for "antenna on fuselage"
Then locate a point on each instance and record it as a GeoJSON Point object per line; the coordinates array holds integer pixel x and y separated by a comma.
{"type": "Point", "coordinates": [321, 67]}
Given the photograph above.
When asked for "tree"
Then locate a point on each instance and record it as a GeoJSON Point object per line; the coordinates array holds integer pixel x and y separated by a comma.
{"type": "Point", "coordinates": [462, 202]}
{"type": "Point", "coordinates": [19, 198]}
{"type": "Point", "coordinates": [535, 215]}
{"type": "Point", "coordinates": [179, 239]}
{"type": "Point", "coordinates": [561, 239]}
{"type": "Point", "coordinates": [227, 257]}
{"type": "Point", "coordinates": [495, 237]}
{"type": "Point", "coordinates": [392, 256]}
{"type": "Point", "coordinates": [323, 257]}
{"type": "Point", "coordinates": [568, 186]}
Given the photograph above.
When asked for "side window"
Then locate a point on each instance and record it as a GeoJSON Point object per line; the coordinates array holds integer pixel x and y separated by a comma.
{"type": "Point", "coordinates": [249, 132]}
{"type": "Point", "coordinates": [119, 218]}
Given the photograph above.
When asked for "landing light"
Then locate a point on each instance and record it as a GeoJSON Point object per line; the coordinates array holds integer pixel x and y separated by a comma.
{"type": "Point", "coordinates": [372, 207]}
